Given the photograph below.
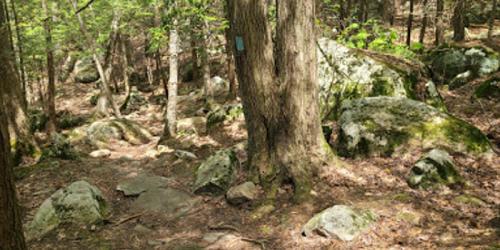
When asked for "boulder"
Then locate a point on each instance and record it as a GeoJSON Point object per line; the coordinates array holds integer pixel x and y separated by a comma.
{"type": "Point", "coordinates": [100, 133]}
{"type": "Point", "coordinates": [169, 202]}
{"type": "Point", "coordinates": [80, 203]}
{"type": "Point", "coordinates": [220, 114]}
{"type": "Point", "coordinates": [435, 168]}
{"type": "Point", "coordinates": [242, 193]}
{"type": "Point", "coordinates": [192, 125]}
{"type": "Point", "coordinates": [86, 71]}
{"type": "Point", "coordinates": [142, 183]}
{"type": "Point", "coordinates": [219, 85]}
{"type": "Point", "coordinates": [448, 62]}
{"type": "Point", "coordinates": [489, 89]}
{"type": "Point", "coordinates": [216, 174]}
{"type": "Point", "coordinates": [339, 221]}
{"type": "Point", "coordinates": [345, 74]}
{"type": "Point", "coordinates": [383, 126]}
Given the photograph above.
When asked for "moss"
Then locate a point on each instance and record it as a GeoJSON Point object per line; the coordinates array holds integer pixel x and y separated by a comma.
{"type": "Point", "coordinates": [470, 200]}
{"type": "Point", "coordinates": [403, 197]}
{"type": "Point", "coordinates": [489, 89]}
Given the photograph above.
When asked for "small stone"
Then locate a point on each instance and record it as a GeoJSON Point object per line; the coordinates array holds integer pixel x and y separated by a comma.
{"type": "Point", "coordinates": [186, 155]}
{"type": "Point", "coordinates": [435, 168]}
{"type": "Point", "coordinates": [341, 221]}
{"type": "Point", "coordinates": [216, 174]}
{"type": "Point", "coordinates": [142, 229]}
{"type": "Point", "coordinates": [242, 193]}
{"type": "Point", "coordinates": [102, 153]}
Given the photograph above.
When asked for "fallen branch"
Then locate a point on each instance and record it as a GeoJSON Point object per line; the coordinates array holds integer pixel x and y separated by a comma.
{"type": "Point", "coordinates": [84, 7]}
{"type": "Point", "coordinates": [128, 219]}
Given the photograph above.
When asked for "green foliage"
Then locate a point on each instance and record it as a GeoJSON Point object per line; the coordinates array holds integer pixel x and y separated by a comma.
{"type": "Point", "coordinates": [59, 148]}
{"type": "Point", "coordinates": [373, 36]}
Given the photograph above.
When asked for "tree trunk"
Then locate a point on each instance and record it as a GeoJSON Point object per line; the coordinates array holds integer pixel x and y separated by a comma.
{"type": "Point", "coordinates": [11, 228]}
{"type": "Point", "coordinates": [126, 72]}
{"type": "Point", "coordinates": [388, 12]}
{"type": "Point", "coordinates": [157, 55]}
{"type": "Point", "coordinates": [458, 21]}
{"type": "Point", "coordinates": [194, 57]}
{"type": "Point", "coordinates": [410, 23]}
{"type": "Point", "coordinates": [9, 29]}
{"type": "Point", "coordinates": [231, 74]}
{"type": "Point", "coordinates": [105, 90]}
{"type": "Point", "coordinates": [20, 49]}
{"type": "Point", "coordinates": [424, 22]}
{"type": "Point", "coordinates": [51, 89]}
{"type": "Point", "coordinates": [491, 20]}
{"type": "Point", "coordinates": [208, 88]}
{"type": "Point", "coordinates": [439, 22]}
{"type": "Point", "coordinates": [279, 93]}
{"type": "Point", "coordinates": [363, 11]}
{"type": "Point", "coordinates": [171, 114]}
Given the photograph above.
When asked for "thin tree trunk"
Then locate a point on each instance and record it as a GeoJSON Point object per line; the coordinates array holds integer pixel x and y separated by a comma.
{"type": "Point", "coordinates": [159, 69]}
{"type": "Point", "coordinates": [205, 65]}
{"type": "Point", "coordinates": [439, 22]}
{"type": "Point", "coordinates": [170, 130]}
{"type": "Point", "coordinates": [279, 92]}
{"type": "Point", "coordinates": [105, 90]}
{"type": "Point", "coordinates": [410, 23]}
{"type": "Point", "coordinates": [51, 126]}
{"type": "Point", "coordinates": [388, 12]}
{"type": "Point", "coordinates": [231, 74]}
{"type": "Point", "coordinates": [458, 21]}
{"type": "Point", "coordinates": [11, 228]}
{"type": "Point", "coordinates": [194, 56]}
{"type": "Point", "coordinates": [126, 72]}
{"type": "Point", "coordinates": [20, 49]}
{"type": "Point", "coordinates": [9, 29]}
{"type": "Point", "coordinates": [491, 20]}
{"type": "Point", "coordinates": [424, 22]}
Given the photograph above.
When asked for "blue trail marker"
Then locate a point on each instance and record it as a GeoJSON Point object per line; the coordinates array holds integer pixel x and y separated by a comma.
{"type": "Point", "coordinates": [240, 46]}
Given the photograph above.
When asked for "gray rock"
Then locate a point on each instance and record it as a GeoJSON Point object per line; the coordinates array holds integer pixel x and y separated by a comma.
{"type": "Point", "coordinates": [435, 168]}
{"type": "Point", "coordinates": [345, 73]}
{"type": "Point", "coordinates": [339, 221]}
{"type": "Point", "coordinates": [217, 173]}
{"type": "Point", "coordinates": [100, 133]}
{"type": "Point", "coordinates": [220, 114]}
{"type": "Point", "coordinates": [102, 153]}
{"type": "Point", "coordinates": [80, 203]}
{"type": "Point", "coordinates": [220, 86]}
{"type": "Point", "coordinates": [169, 202]}
{"type": "Point", "coordinates": [86, 71]}
{"type": "Point", "coordinates": [384, 126]}
{"type": "Point", "coordinates": [142, 183]}
{"type": "Point", "coordinates": [489, 88]}
{"type": "Point", "coordinates": [242, 193]}
{"type": "Point", "coordinates": [186, 155]}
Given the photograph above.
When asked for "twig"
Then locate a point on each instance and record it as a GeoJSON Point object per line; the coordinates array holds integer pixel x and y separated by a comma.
{"type": "Point", "coordinates": [84, 7]}
{"type": "Point", "coordinates": [223, 227]}
{"type": "Point", "coordinates": [261, 243]}
{"type": "Point", "coordinates": [128, 218]}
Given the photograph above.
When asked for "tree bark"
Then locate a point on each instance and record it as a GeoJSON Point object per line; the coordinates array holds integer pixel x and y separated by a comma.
{"type": "Point", "coordinates": [410, 23]}
{"type": "Point", "coordinates": [388, 12]}
{"type": "Point", "coordinates": [11, 229]}
{"type": "Point", "coordinates": [194, 56]}
{"type": "Point", "coordinates": [279, 92]}
{"type": "Point", "coordinates": [51, 89]}
{"type": "Point", "coordinates": [425, 18]}
{"type": "Point", "coordinates": [105, 90]}
{"type": "Point", "coordinates": [439, 22]}
{"type": "Point", "coordinates": [491, 20]}
{"type": "Point", "coordinates": [459, 21]}
{"type": "Point", "coordinates": [231, 74]}
{"type": "Point", "coordinates": [20, 49]}
{"type": "Point", "coordinates": [171, 114]}
{"type": "Point", "coordinates": [205, 64]}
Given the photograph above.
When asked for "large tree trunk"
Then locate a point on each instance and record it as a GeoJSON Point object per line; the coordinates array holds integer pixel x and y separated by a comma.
{"type": "Point", "coordinates": [105, 90]}
{"type": "Point", "coordinates": [491, 20]}
{"type": "Point", "coordinates": [423, 29]}
{"type": "Point", "coordinates": [11, 234]}
{"type": "Point", "coordinates": [410, 23]}
{"type": "Point", "coordinates": [51, 126]}
{"type": "Point", "coordinates": [171, 114]}
{"type": "Point", "coordinates": [279, 92]}
{"type": "Point", "coordinates": [20, 49]}
{"type": "Point", "coordinates": [439, 22]}
{"type": "Point", "coordinates": [459, 21]}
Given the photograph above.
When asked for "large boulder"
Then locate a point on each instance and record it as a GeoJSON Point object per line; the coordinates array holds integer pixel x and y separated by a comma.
{"type": "Point", "coordinates": [435, 168]}
{"type": "Point", "coordinates": [345, 73]}
{"type": "Point", "coordinates": [216, 174]}
{"type": "Point", "coordinates": [395, 125]}
{"type": "Point", "coordinates": [458, 65]}
{"type": "Point", "coordinates": [101, 133]}
{"type": "Point", "coordinates": [86, 71]}
{"type": "Point", "coordinates": [340, 221]}
{"type": "Point", "coordinates": [80, 203]}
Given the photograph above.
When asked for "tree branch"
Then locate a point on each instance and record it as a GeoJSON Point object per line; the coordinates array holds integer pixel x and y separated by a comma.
{"type": "Point", "coordinates": [84, 7]}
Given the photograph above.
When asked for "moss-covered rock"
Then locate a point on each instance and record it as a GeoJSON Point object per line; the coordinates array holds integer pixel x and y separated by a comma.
{"type": "Point", "coordinates": [435, 168]}
{"type": "Point", "coordinates": [101, 133]}
{"type": "Point", "coordinates": [448, 62]}
{"type": "Point", "coordinates": [59, 147]}
{"type": "Point", "coordinates": [38, 120]}
{"type": "Point", "coordinates": [345, 74]}
{"type": "Point", "coordinates": [134, 103]}
{"type": "Point", "coordinates": [395, 125]}
{"type": "Point", "coordinates": [216, 174]}
{"type": "Point", "coordinates": [80, 203]}
{"type": "Point", "coordinates": [220, 114]}
{"type": "Point", "coordinates": [86, 71]}
{"type": "Point", "coordinates": [489, 89]}
{"type": "Point", "coordinates": [340, 221]}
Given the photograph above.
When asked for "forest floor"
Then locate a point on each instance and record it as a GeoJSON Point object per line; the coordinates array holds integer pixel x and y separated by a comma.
{"type": "Point", "coordinates": [467, 218]}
